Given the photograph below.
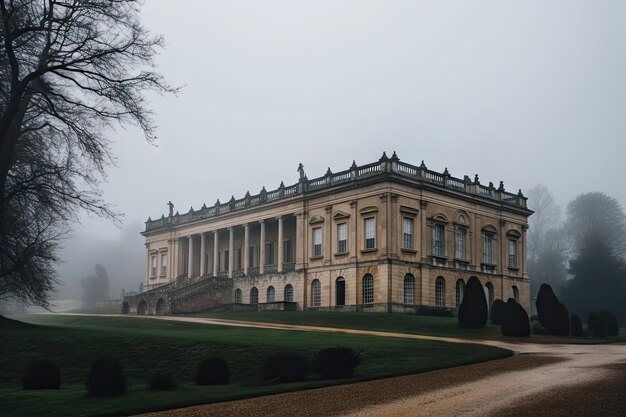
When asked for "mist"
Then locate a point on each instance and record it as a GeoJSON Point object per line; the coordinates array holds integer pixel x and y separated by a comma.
{"type": "Point", "coordinates": [123, 257]}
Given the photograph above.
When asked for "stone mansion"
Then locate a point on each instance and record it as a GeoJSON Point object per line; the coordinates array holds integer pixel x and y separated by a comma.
{"type": "Point", "coordinates": [386, 236]}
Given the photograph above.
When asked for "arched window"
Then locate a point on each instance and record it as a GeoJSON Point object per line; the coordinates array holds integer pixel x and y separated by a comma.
{"type": "Point", "coordinates": [514, 294]}
{"type": "Point", "coordinates": [368, 289]}
{"type": "Point", "coordinates": [254, 296]}
{"type": "Point", "coordinates": [409, 289]}
{"type": "Point", "coordinates": [238, 296]}
{"type": "Point", "coordinates": [440, 292]}
{"type": "Point", "coordinates": [289, 293]}
{"type": "Point", "coordinates": [270, 294]}
{"type": "Point", "coordinates": [340, 291]}
{"type": "Point", "coordinates": [316, 293]}
{"type": "Point", "coordinates": [460, 290]}
{"type": "Point", "coordinates": [489, 294]}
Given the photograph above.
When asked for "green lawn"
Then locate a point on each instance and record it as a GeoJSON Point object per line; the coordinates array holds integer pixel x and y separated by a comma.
{"type": "Point", "coordinates": [146, 346]}
{"type": "Point", "coordinates": [403, 323]}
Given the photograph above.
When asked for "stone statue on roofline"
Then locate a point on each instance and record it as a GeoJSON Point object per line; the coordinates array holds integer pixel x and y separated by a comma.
{"type": "Point", "coordinates": [301, 172]}
{"type": "Point", "coordinates": [171, 206]}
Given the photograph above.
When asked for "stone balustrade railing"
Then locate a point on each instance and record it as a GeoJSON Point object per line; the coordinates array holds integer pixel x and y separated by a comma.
{"type": "Point", "coordinates": [384, 167]}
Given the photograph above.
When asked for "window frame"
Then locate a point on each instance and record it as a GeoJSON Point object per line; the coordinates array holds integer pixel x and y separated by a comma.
{"type": "Point", "coordinates": [288, 293]}
{"type": "Point", "coordinates": [342, 244]}
{"type": "Point", "coordinates": [153, 265]}
{"type": "Point", "coordinates": [317, 248]}
{"type": "Point", "coordinates": [409, 289]}
{"type": "Point", "coordinates": [408, 239]}
{"type": "Point", "coordinates": [316, 293]}
{"type": "Point", "coordinates": [512, 257]}
{"type": "Point", "coordinates": [368, 289]}
{"type": "Point", "coordinates": [440, 292]}
{"type": "Point", "coordinates": [164, 260]}
{"type": "Point", "coordinates": [488, 255]}
{"type": "Point", "coordinates": [460, 250]}
{"type": "Point", "coordinates": [369, 242]}
{"type": "Point", "coordinates": [439, 250]}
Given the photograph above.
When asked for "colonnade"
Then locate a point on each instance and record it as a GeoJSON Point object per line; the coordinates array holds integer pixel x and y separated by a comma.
{"type": "Point", "coordinates": [195, 266]}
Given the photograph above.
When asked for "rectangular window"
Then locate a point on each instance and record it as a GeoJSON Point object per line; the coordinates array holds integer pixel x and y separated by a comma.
{"type": "Point", "coordinates": [287, 251]}
{"type": "Point", "coordinates": [488, 249]}
{"type": "Point", "coordinates": [163, 264]}
{"type": "Point", "coordinates": [512, 253]}
{"type": "Point", "coordinates": [438, 240]}
{"type": "Point", "coordinates": [459, 247]}
{"type": "Point", "coordinates": [251, 256]}
{"type": "Point", "coordinates": [269, 253]}
{"type": "Point", "coordinates": [153, 264]}
{"type": "Point", "coordinates": [317, 241]}
{"type": "Point", "coordinates": [342, 238]}
{"type": "Point", "coordinates": [370, 233]}
{"type": "Point", "coordinates": [239, 259]}
{"type": "Point", "coordinates": [226, 260]}
{"type": "Point", "coordinates": [407, 233]}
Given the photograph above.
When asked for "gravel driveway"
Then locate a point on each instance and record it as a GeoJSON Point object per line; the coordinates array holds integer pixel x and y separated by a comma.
{"type": "Point", "coordinates": [541, 380]}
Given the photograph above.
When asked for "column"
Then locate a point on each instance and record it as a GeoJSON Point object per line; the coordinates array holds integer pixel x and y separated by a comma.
{"type": "Point", "coordinates": [215, 252]}
{"type": "Point", "coordinates": [147, 264]}
{"type": "Point", "coordinates": [202, 255]}
{"type": "Point", "coordinates": [262, 248]}
{"type": "Point", "coordinates": [231, 250]}
{"type": "Point", "coordinates": [190, 257]}
{"type": "Point", "coordinates": [280, 244]}
{"type": "Point", "coordinates": [301, 242]}
{"type": "Point", "coordinates": [246, 247]}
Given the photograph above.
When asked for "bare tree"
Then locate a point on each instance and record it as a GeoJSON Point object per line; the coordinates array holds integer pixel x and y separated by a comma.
{"type": "Point", "coordinates": [69, 71]}
{"type": "Point", "coordinates": [547, 217]}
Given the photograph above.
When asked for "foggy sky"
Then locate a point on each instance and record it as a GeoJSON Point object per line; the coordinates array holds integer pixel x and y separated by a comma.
{"type": "Point", "coordinates": [527, 92]}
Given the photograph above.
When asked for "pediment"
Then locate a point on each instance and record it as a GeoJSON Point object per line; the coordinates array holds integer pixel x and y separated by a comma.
{"type": "Point", "coordinates": [316, 219]}
{"type": "Point", "coordinates": [338, 215]}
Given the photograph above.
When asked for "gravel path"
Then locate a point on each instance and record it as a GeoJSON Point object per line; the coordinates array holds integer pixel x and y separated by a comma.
{"type": "Point", "coordinates": [541, 380]}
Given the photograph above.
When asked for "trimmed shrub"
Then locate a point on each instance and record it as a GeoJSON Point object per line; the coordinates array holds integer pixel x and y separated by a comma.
{"type": "Point", "coordinates": [545, 302]}
{"type": "Point", "coordinates": [497, 310]}
{"type": "Point", "coordinates": [609, 323]}
{"type": "Point", "coordinates": [335, 363]}
{"type": "Point", "coordinates": [42, 374]}
{"type": "Point", "coordinates": [515, 320]}
{"type": "Point", "coordinates": [286, 367]}
{"type": "Point", "coordinates": [106, 378]}
{"type": "Point", "coordinates": [576, 326]}
{"type": "Point", "coordinates": [162, 382]}
{"type": "Point", "coordinates": [212, 371]}
{"type": "Point", "coordinates": [473, 308]}
{"type": "Point", "coordinates": [558, 319]}
{"type": "Point", "coordinates": [552, 314]}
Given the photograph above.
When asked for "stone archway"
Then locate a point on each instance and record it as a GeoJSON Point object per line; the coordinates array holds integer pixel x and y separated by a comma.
{"type": "Point", "coordinates": [142, 308]}
{"type": "Point", "coordinates": [160, 307]}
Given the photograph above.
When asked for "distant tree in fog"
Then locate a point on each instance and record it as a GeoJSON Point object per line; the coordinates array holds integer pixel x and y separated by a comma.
{"type": "Point", "coordinates": [546, 218]}
{"type": "Point", "coordinates": [596, 226]}
{"type": "Point", "coordinates": [547, 243]}
{"type": "Point", "coordinates": [95, 287]}
{"type": "Point", "coordinates": [597, 217]}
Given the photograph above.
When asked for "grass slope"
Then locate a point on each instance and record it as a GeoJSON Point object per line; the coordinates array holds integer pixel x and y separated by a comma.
{"type": "Point", "coordinates": [147, 346]}
{"type": "Point", "coordinates": [402, 323]}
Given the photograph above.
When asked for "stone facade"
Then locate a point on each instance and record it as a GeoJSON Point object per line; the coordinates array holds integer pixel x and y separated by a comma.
{"type": "Point", "coordinates": [386, 236]}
